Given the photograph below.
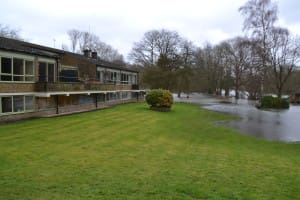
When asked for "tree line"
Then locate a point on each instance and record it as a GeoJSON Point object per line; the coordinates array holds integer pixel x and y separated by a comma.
{"type": "Point", "coordinates": [262, 61]}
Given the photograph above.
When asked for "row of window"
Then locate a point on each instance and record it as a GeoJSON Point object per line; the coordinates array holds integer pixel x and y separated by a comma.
{"type": "Point", "coordinates": [16, 69]}
{"type": "Point", "coordinates": [26, 103]}
{"type": "Point", "coordinates": [16, 104]}
{"type": "Point", "coordinates": [114, 76]}
{"type": "Point", "coordinates": [113, 96]}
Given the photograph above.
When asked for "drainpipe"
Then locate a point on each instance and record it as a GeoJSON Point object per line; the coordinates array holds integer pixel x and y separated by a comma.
{"type": "Point", "coordinates": [56, 73]}
{"type": "Point", "coordinates": [96, 100]}
{"type": "Point", "coordinates": [56, 97]}
{"type": "Point", "coordinates": [120, 81]}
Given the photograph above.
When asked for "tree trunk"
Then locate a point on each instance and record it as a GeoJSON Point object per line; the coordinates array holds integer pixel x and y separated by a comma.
{"type": "Point", "coordinates": [226, 92]}
{"type": "Point", "coordinates": [279, 92]}
{"type": "Point", "coordinates": [237, 96]}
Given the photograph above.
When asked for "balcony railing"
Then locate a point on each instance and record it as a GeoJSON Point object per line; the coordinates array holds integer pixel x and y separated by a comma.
{"type": "Point", "coordinates": [135, 87]}
{"type": "Point", "coordinates": [68, 83]}
{"type": "Point", "coordinates": [79, 86]}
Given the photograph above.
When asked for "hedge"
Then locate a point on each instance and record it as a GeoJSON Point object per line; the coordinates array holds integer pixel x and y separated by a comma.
{"type": "Point", "coordinates": [274, 102]}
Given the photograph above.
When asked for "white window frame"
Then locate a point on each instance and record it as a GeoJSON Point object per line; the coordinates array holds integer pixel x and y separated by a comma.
{"type": "Point", "coordinates": [68, 67]}
{"type": "Point", "coordinates": [12, 105]}
{"type": "Point", "coordinates": [125, 95]}
{"type": "Point", "coordinates": [127, 75]}
{"type": "Point", "coordinates": [101, 70]}
{"type": "Point", "coordinates": [13, 56]}
{"type": "Point", "coordinates": [134, 79]}
{"type": "Point", "coordinates": [48, 61]}
{"type": "Point", "coordinates": [116, 75]}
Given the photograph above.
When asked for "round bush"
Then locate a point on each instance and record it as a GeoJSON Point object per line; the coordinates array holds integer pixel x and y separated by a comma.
{"type": "Point", "coordinates": [159, 98]}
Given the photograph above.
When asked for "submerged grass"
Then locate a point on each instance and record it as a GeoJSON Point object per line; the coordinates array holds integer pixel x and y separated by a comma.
{"type": "Point", "coordinates": [131, 152]}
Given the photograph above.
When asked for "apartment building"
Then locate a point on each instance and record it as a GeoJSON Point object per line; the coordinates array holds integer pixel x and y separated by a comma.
{"type": "Point", "coordinates": [38, 81]}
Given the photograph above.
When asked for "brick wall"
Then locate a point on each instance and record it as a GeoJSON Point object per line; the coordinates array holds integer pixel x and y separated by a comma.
{"type": "Point", "coordinates": [87, 70]}
{"type": "Point", "coordinates": [16, 87]}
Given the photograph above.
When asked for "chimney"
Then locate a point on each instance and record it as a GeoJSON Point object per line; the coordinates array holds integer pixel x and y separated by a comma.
{"type": "Point", "coordinates": [94, 55]}
{"type": "Point", "coordinates": [87, 52]}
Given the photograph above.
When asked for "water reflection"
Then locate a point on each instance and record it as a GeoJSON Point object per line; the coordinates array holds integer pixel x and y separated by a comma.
{"type": "Point", "coordinates": [272, 125]}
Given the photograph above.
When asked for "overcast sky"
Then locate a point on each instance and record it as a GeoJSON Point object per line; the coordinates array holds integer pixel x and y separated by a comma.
{"type": "Point", "coordinates": [122, 22]}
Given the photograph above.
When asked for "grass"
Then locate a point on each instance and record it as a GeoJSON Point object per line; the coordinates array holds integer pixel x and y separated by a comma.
{"type": "Point", "coordinates": [131, 152]}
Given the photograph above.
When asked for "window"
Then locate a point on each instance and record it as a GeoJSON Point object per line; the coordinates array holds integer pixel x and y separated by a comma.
{"type": "Point", "coordinates": [86, 99]}
{"type": "Point", "coordinates": [51, 74]}
{"type": "Point", "coordinates": [46, 72]}
{"type": "Point", "coordinates": [29, 71]}
{"type": "Point", "coordinates": [6, 104]}
{"type": "Point", "coordinates": [114, 76]}
{"type": "Point", "coordinates": [16, 104]}
{"type": "Point", "coordinates": [134, 79]}
{"type": "Point", "coordinates": [42, 72]}
{"type": "Point", "coordinates": [100, 74]}
{"type": "Point", "coordinates": [101, 97]}
{"type": "Point", "coordinates": [16, 69]}
{"type": "Point", "coordinates": [6, 69]}
{"type": "Point", "coordinates": [113, 96]}
{"type": "Point", "coordinates": [125, 95]}
{"type": "Point", "coordinates": [68, 74]}
{"type": "Point", "coordinates": [124, 78]}
{"type": "Point", "coordinates": [29, 103]}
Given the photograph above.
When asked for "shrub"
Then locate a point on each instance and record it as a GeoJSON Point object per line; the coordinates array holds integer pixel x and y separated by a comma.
{"type": "Point", "coordinates": [159, 98]}
{"type": "Point", "coordinates": [274, 102]}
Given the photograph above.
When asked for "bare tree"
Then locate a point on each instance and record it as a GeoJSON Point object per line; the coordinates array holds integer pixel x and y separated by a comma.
{"type": "Point", "coordinates": [87, 40]}
{"type": "Point", "coordinates": [241, 60]}
{"type": "Point", "coordinates": [90, 41]}
{"type": "Point", "coordinates": [6, 31]}
{"type": "Point", "coordinates": [154, 44]}
{"type": "Point", "coordinates": [144, 52]}
{"type": "Point", "coordinates": [284, 55]}
{"type": "Point", "coordinates": [74, 36]}
{"type": "Point", "coordinates": [224, 79]}
{"type": "Point", "coordinates": [107, 52]}
{"type": "Point", "coordinates": [207, 69]}
{"type": "Point", "coordinates": [186, 65]}
{"type": "Point", "coordinates": [161, 51]}
{"type": "Point", "coordinates": [260, 16]}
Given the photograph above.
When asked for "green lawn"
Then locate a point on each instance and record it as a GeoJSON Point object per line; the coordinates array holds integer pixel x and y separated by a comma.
{"type": "Point", "coordinates": [131, 152]}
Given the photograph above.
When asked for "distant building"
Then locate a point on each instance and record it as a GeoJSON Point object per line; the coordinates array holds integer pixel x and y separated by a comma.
{"type": "Point", "coordinates": [37, 81]}
{"type": "Point", "coordinates": [295, 98]}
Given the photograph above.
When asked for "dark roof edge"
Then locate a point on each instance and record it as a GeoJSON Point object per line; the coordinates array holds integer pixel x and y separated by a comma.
{"type": "Point", "coordinates": [117, 68]}
{"type": "Point", "coordinates": [98, 62]}
{"type": "Point", "coordinates": [33, 45]}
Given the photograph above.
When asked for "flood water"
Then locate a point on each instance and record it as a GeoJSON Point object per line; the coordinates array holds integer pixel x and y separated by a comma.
{"type": "Point", "coordinates": [273, 125]}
